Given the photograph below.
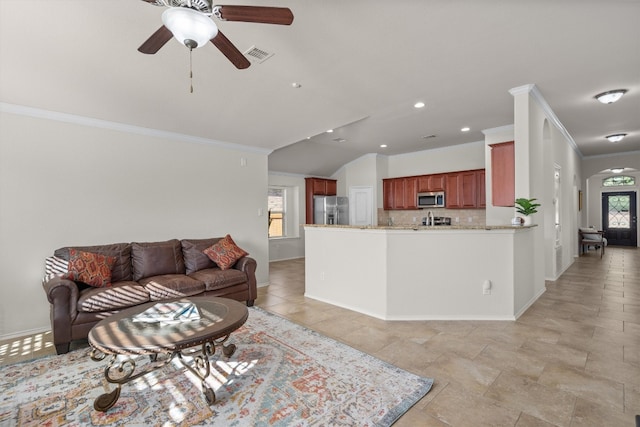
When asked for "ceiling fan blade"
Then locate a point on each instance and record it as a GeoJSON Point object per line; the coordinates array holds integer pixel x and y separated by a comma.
{"type": "Point", "coordinates": [261, 14]}
{"type": "Point", "coordinates": [230, 51]}
{"type": "Point", "coordinates": [156, 41]}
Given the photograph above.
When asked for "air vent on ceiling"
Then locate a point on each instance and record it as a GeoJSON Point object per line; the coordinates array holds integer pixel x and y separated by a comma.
{"type": "Point", "coordinates": [338, 139]}
{"type": "Point", "coordinates": [428, 136]}
{"type": "Point", "coordinates": [257, 55]}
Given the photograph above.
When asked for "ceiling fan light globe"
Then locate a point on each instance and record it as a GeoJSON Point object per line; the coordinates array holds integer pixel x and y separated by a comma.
{"type": "Point", "coordinates": [188, 24]}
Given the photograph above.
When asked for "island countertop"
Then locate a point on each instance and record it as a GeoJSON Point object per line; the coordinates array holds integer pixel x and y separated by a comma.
{"type": "Point", "coordinates": [425, 227]}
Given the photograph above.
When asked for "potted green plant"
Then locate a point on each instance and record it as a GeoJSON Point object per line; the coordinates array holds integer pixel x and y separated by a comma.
{"type": "Point", "coordinates": [527, 207]}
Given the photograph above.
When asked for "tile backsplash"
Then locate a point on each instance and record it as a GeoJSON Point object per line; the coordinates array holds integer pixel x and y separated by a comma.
{"type": "Point", "coordinates": [414, 217]}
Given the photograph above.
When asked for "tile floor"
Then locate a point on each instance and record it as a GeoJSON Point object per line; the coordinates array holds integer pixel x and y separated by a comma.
{"type": "Point", "coordinates": [573, 359]}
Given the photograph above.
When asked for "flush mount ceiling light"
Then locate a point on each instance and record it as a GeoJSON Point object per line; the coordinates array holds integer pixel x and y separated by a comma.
{"type": "Point", "coordinates": [418, 105]}
{"type": "Point", "coordinates": [190, 27]}
{"type": "Point", "coordinates": [616, 138]}
{"type": "Point", "coordinates": [465, 129]}
{"type": "Point", "coordinates": [616, 170]}
{"type": "Point", "coordinates": [383, 145]}
{"type": "Point", "coordinates": [611, 96]}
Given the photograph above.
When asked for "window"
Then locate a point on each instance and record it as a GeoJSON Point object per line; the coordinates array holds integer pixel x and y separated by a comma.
{"type": "Point", "coordinates": [283, 203]}
{"type": "Point", "coordinates": [614, 181]}
{"type": "Point", "coordinates": [276, 203]}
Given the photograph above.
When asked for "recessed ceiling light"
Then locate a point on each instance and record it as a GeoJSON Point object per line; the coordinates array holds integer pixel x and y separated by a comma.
{"type": "Point", "coordinates": [383, 145]}
{"type": "Point", "coordinates": [465, 129]}
{"type": "Point", "coordinates": [419, 104]}
{"type": "Point", "coordinates": [296, 85]}
{"type": "Point", "coordinates": [616, 138]}
{"type": "Point", "coordinates": [616, 170]}
{"type": "Point", "coordinates": [611, 96]}
{"type": "Point", "coordinates": [330, 131]}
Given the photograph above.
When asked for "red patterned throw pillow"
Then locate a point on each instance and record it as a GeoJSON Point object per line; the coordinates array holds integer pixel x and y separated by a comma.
{"type": "Point", "coordinates": [225, 253]}
{"type": "Point", "coordinates": [92, 269]}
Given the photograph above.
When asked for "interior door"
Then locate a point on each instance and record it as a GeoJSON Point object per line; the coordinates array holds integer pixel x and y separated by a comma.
{"type": "Point", "coordinates": [619, 218]}
{"type": "Point", "coordinates": [361, 202]}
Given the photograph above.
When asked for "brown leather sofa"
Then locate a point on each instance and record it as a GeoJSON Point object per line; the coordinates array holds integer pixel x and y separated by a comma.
{"type": "Point", "coordinates": [142, 272]}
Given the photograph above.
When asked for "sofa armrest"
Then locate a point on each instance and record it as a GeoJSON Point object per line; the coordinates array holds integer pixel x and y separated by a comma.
{"type": "Point", "coordinates": [248, 266]}
{"type": "Point", "coordinates": [63, 295]}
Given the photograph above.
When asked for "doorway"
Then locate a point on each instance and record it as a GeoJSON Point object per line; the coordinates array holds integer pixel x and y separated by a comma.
{"type": "Point", "coordinates": [619, 218]}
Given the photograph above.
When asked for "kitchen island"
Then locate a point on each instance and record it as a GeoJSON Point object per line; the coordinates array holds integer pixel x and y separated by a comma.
{"type": "Point", "coordinates": [421, 273]}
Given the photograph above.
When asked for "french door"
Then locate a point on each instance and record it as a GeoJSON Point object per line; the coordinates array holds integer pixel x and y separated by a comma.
{"type": "Point", "coordinates": [619, 218]}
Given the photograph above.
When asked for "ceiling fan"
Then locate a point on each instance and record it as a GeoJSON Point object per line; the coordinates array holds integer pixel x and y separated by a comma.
{"type": "Point", "coordinates": [189, 21]}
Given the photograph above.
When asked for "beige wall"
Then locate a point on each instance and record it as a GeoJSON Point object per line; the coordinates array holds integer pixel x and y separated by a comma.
{"type": "Point", "coordinates": [70, 181]}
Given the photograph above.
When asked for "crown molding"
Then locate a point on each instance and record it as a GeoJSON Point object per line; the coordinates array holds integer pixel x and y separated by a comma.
{"type": "Point", "coordinates": [533, 91]}
{"type": "Point", "coordinates": [500, 129]}
{"type": "Point", "coordinates": [38, 113]}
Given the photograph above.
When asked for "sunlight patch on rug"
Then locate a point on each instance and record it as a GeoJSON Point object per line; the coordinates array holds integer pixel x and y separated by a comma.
{"type": "Point", "coordinates": [281, 374]}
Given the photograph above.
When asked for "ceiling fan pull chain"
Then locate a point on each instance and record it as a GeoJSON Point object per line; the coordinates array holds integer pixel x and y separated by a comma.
{"type": "Point", "coordinates": [190, 70]}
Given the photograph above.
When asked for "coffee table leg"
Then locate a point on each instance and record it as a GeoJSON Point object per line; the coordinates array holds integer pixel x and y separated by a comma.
{"type": "Point", "coordinates": [105, 401]}
{"type": "Point", "coordinates": [121, 372]}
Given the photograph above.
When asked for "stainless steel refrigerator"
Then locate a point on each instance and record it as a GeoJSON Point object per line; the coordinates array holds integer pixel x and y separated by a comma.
{"type": "Point", "coordinates": [330, 210]}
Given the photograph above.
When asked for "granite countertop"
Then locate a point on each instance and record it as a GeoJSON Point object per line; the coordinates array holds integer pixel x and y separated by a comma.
{"type": "Point", "coordinates": [424, 227]}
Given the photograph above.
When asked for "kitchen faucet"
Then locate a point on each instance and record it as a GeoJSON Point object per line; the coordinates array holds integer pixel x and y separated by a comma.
{"type": "Point", "coordinates": [430, 220]}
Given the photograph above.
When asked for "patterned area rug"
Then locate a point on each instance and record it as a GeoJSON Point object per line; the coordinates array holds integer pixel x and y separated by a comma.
{"type": "Point", "coordinates": [280, 375]}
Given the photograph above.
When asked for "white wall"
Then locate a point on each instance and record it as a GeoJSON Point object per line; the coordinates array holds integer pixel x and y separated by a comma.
{"type": "Point", "coordinates": [74, 181]}
{"type": "Point", "coordinates": [541, 142]}
{"type": "Point", "coordinates": [292, 246]}
{"type": "Point", "coordinates": [416, 275]}
{"type": "Point", "coordinates": [448, 159]}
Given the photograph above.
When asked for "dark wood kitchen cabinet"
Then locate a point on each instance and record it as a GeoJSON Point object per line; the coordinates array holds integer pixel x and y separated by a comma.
{"type": "Point", "coordinates": [503, 174]}
{"type": "Point", "coordinates": [431, 182]}
{"type": "Point", "coordinates": [317, 187]}
{"type": "Point", "coordinates": [481, 192]}
{"type": "Point", "coordinates": [462, 189]}
{"type": "Point", "coordinates": [400, 193]}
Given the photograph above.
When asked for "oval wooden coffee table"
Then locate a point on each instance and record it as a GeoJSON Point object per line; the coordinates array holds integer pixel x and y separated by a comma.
{"type": "Point", "coordinates": [119, 335]}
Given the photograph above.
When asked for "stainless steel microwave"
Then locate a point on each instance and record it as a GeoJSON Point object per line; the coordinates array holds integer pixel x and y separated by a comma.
{"type": "Point", "coordinates": [434, 199]}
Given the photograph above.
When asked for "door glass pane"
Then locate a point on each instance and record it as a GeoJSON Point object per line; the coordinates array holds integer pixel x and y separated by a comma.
{"type": "Point", "coordinates": [619, 211]}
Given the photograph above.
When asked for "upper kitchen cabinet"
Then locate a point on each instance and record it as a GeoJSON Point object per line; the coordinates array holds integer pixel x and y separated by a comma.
{"type": "Point", "coordinates": [317, 187]}
{"type": "Point", "coordinates": [431, 182]}
{"type": "Point", "coordinates": [503, 174]}
{"type": "Point", "coordinates": [400, 193]}
{"type": "Point", "coordinates": [481, 189]}
{"type": "Point", "coordinates": [462, 189]}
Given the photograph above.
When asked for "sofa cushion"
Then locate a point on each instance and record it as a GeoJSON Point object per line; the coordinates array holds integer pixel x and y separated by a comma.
{"type": "Point", "coordinates": [156, 258]}
{"type": "Point", "coordinates": [171, 286]}
{"type": "Point", "coordinates": [92, 269]}
{"type": "Point", "coordinates": [225, 253]}
{"type": "Point", "coordinates": [214, 278]}
{"type": "Point", "coordinates": [194, 258]}
{"type": "Point", "coordinates": [120, 295]}
{"type": "Point", "coordinates": [56, 267]}
{"type": "Point", "coordinates": [121, 270]}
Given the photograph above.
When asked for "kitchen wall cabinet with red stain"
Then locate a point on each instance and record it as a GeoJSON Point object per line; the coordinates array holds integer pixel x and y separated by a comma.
{"type": "Point", "coordinates": [461, 189]}
{"type": "Point", "coordinates": [481, 192]}
{"type": "Point", "coordinates": [317, 187]}
{"type": "Point", "coordinates": [503, 174]}
{"type": "Point", "coordinates": [431, 182]}
{"type": "Point", "coordinates": [400, 193]}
